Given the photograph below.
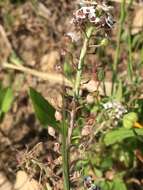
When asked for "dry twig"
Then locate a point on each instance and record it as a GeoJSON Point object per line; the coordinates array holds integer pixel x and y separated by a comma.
{"type": "Point", "coordinates": [51, 77]}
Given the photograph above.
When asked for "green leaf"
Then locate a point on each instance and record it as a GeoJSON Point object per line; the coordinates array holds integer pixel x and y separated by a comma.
{"type": "Point", "coordinates": [130, 119]}
{"type": "Point", "coordinates": [119, 184]}
{"type": "Point", "coordinates": [118, 95]}
{"type": "Point", "coordinates": [15, 59]}
{"type": "Point", "coordinates": [2, 94]}
{"type": "Point", "coordinates": [106, 185]}
{"type": "Point", "coordinates": [44, 111]}
{"type": "Point", "coordinates": [120, 135]}
{"type": "Point", "coordinates": [6, 99]}
{"type": "Point", "coordinates": [106, 163]}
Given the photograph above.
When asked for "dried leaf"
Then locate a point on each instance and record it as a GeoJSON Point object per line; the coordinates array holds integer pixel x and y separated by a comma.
{"type": "Point", "coordinates": [5, 46]}
{"type": "Point", "coordinates": [24, 182]}
{"type": "Point", "coordinates": [93, 86]}
{"type": "Point", "coordinates": [137, 24]}
{"type": "Point", "coordinates": [87, 130]}
{"type": "Point", "coordinates": [4, 183]}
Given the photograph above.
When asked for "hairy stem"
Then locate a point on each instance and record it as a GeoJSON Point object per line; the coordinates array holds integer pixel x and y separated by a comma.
{"type": "Point", "coordinates": [65, 150]}
{"type": "Point", "coordinates": [65, 157]}
{"type": "Point", "coordinates": [81, 62]}
{"type": "Point", "coordinates": [66, 138]}
{"type": "Point", "coordinates": [78, 81]}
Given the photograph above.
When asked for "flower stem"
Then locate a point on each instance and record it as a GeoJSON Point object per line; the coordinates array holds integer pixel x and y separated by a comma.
{"type": "Point", "coordinates": [66, 137]}
{"type": "Point", "coordinates": [81, 61]}
{"type": "Point", "coordinates": [65, 157]}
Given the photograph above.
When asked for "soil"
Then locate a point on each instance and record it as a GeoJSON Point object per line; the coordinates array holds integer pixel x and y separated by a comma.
{"type": "Point", "coordinates": [35, 31]}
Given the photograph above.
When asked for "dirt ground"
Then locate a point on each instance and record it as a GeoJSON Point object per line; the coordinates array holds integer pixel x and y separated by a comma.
{"type": "Point", "coordinates": [35, 31]}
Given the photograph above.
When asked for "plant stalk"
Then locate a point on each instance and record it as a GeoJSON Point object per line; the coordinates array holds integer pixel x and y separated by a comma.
{"type": "Point", "coordinates": [78, 81]}
{"type": "Point", "coordinates": [66, 136]}
{"type": "Point", "coordinates": [81, 61]}
{"type": "Point", "coordinates": [65, 157]}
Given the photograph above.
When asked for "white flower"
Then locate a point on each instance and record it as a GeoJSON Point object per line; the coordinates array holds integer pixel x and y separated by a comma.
{"type": "Point", "coordinates": [108, 105]}
{"type": "Point", "coordinates": [117, 109]}
{"type": "Point", "coordinates": [86, 12]}
{"type": "Point", "coordinates": [74, 36]}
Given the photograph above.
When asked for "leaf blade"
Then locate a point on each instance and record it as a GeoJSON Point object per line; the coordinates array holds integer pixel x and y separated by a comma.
{"type": "Point", "coordinates": [44, 111]}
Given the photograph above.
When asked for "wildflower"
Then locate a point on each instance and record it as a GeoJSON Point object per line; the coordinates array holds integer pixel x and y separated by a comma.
{"type": "Point", "coordinates": [94, 13]}
{"type": "Point", "coordinates": [74, 36]}
{"type": "Point", "coordinates": [117, 109]}
{"type": "Point", "coordinates": [84, 14]}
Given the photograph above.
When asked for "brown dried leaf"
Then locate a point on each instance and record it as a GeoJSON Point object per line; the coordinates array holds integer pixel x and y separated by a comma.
{"type": "Point", "coordinates": [5, 46]}
{"type": "Point", "coordinates": [4, 183]}
{"type": "Point", "coordinates": [87, 130]}
{"type": "Point", "coordinates": [49, 61]}
{"type": "Point", "coordinates": [24, 182]}
{"type": "Point", "coordinates": [93, 86]}
{"type": "Point", "coordinates": [137, 24]}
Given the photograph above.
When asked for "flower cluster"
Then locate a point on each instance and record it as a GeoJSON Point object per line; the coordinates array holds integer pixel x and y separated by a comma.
{"type": "Point", "coordinates": [93, 13]}
{"type": "Point", "coordinates": [85, 14]}
{"type": "Point", "coordinates": [117, 109]}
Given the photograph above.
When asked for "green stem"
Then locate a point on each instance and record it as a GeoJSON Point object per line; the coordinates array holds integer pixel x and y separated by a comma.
{"type": "Point", "coordinates": [65, 151]}
{"type": "Point", "coordinates": [65, 154]}
{"type": "Point", "coordinates": [81, 61]}
{"type": "Point", "coordinates": [117, 53]}
{"type": "Point", "coordinates": [130, 66]}
{"type": "Point", "coordinates": [65, 145]}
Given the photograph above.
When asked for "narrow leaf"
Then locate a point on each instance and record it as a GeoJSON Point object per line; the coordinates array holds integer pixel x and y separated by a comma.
{"type": "Point", "coordinates": [7, 99]}
{"type": "Point", "coordinates": [45, 112]}
{"type": "Point", "coordinates": [118, 95]}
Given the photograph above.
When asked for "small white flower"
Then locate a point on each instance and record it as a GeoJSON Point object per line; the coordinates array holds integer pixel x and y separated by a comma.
{"type": "Point", "coordinates": [91, 15]}
{"type": "Point", "coordinates": [97, 20]}
{"type": "Point", "coordinates": [108, 105]}
{"type": "Point", "coordinates": [88, 10]}
{"type": "Point", "coordinates": [74, 36]}
{"type": "Point", "coordinates": [117, 109]}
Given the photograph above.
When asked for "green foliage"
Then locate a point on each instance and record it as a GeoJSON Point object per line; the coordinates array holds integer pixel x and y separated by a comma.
{"type": "Point", "coordinates": [119, 92]}
{"type": "Point", "coordinates": [6, 98]}
{"type": "Point", "coordinates": [129, 120]}
{"type": "Point", "coordinates": [15, 59]}
{"type": "Point", "coordinates": [116, 184]}
{"type": "Point", "coordinates": [45, 112]}
{"type": "Point", "coordinates": [121, 134]}
{"type": "Point", "coordinates": [68, 70]}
